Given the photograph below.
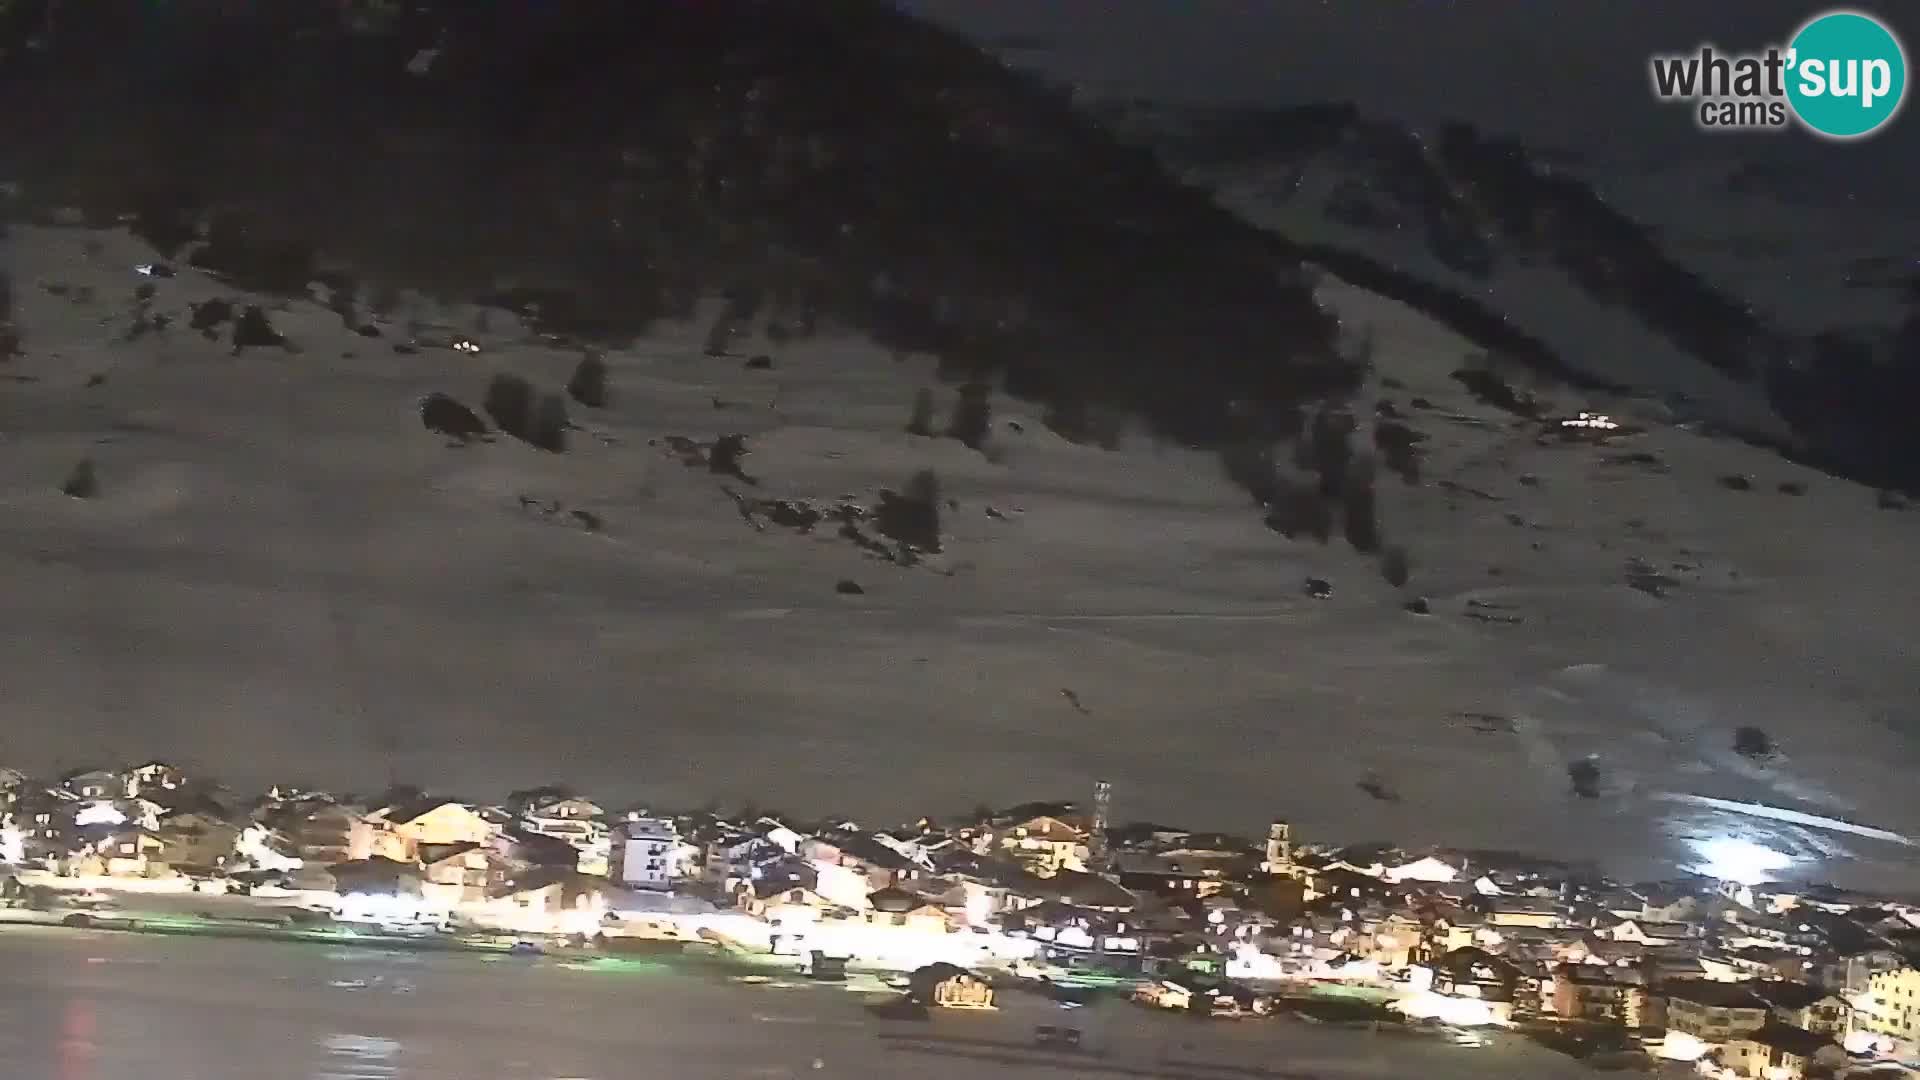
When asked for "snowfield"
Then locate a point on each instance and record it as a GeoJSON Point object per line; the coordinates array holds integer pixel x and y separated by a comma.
{"type": "Point", "coordinates": [284, 577]}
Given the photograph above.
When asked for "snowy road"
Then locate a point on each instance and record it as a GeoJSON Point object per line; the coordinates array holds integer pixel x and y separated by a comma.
{"type": "Point", "coordinates": [120, 1007]}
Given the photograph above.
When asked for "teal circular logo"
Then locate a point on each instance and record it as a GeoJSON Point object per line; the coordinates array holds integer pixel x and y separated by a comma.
{"type": "Point", "coordinates": [1847, 75]}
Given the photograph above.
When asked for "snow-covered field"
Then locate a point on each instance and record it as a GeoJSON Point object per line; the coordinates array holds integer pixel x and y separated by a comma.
{"type": "Point", "coordinates": [284, 577]}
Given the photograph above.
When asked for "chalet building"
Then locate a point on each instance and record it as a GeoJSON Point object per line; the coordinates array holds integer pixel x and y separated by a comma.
{"type": "Point", "coordinates": [571, 818]}
{"type": "Point", "coordinates": [949, 987]}
{"type": "Point", "coordinates": [1600, 995]}
{"type": "Point", "coordinates": [1045, 844]}
{"type": "Point", "coordinates": [154, 778]}
{"type": "Point", "coordinates": [95, 784]}
{"type": "Point", "coordinates": [1807, 1007]}
{"type": "Point", "coordinates": [377, 876]}
{"type": "Point", "coordinates": [399, 832]}
{"type": "Point", "coordinates": [1544, 913]}
{"type": "Point", "coordinates": [882, 866]}
{"type": "Point", "coordinates": [1778, 1052]}
{"type": "Point", "coordinates": [461, 873]}
{"type": "Point", "coordinates": [1177, 873]}
{"type": "Point", "coordinates": [1714, 1012]}
{"type": "Point", "coordinates": [1649, 932]}
{"type": "Point", "coordinates": [127, 851]}
{"type": "Point", "coordinates": [197, 843]}
{"type": "Point", "coordinates": [899, 908]}
{"type": "Point", "coordinates": [324, 833]}
{"type": "Point", "coordinates": [559, 898]}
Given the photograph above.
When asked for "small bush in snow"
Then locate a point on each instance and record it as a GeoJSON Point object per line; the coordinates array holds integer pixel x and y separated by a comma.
{"type": "Point", "coordinates": [588, 386]}
{"type": "Point", "coordinates": [1362, 507]}
{"type": "Point", "coordinates": [82, 482]}
{"type": "Point", "coordinates": [725, 456]}
{"type": "Point", "coordinates": [1396, 566]}
{"type": "Point", "coordinates": [731, 320]}
{"type": "Point", "coordinates": [509, 402]}
{"type": "Point", "coordinates": [1329, 450]}
{"type": "Point", "coordinates": [550, 424]}
{"type": "Point", "coordinates": [1398, 444]}
{"type": "Point", "coordinates": [441, 414]}
{"type": "Point", "coordinates": [912, 517]}
{"type": "Point", "coordinates": [1377, 787]}
{"type": "Point", "coordinates": [1751, 742]}
{"type": "Point", "coordinates": [1584, 775]}
{"type": "Point", "coordinates": [921, 422]}
{"type": "Point", "coordinates": [972, 415]}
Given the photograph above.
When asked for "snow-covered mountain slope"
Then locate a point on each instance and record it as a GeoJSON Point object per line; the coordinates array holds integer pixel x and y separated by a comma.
{"type": "Point", "coordinates": [1705, 286]}
{"type": "Point", "coordinates": [281, 574]}
{"type": "Point", "coordinates": [615, 161]}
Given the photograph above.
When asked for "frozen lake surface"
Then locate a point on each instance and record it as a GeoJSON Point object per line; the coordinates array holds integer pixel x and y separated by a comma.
{"type": "Point", "coordinates": [104, 1006]}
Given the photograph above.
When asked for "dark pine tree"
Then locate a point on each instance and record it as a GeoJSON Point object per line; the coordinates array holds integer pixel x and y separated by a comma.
{"type": "Point", "coordinates": [921, 422]}
{"type": "Point", "coordinates": [972, 415]}
{"type": "Point", "coordinates": [588, 386]}
{"type": "Point", "coordinates": [509, 403]}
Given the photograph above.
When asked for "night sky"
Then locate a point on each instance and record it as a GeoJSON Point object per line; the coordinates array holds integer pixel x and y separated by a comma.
{"type": "Point", "coordinates": [1567, 74]}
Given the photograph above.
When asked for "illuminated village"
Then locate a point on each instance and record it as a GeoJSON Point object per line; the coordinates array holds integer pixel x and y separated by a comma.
{"type": "Point", "coordinates": [1737, 977]}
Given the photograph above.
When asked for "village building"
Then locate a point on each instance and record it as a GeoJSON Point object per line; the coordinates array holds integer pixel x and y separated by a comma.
{"type": "Point", "coordinates": [1600, 995]}
{"type": "Point", "coordinates": [1536, 912]}
{"type": "Point", "coordinates": [899, 908]}
{"type": "Point", "coordinates": [646, 853]}
{"type": "Point", "coordinates": [1891, 1006]}
{"type": "Point", "coordinates": [555, 900]}
{"type": "Point", "coordinates": [126, 851]}
{"type": "Point", "coordinates": [461, 873]}
{"type": "Point", "coordinates": [1650, 933]}
{"type": "Point", "coordinates": [1710, 1013]}
{"type": "Point", "coordinates": [1177, 873]}
{"type": "Point", "coordinates": [881, 866]}
{"type": "Point", "coordinates": [154, 778]}
{"type": "Point", "coordinates": [377, 876]}
{"type": "Point", "coordinates": [576, 820]}
{"type": "Point", "coordinates": [95, 784]}
{"type": "Point", "coordinates": [1807, 1007]}
{"type": "Point", "coordinates": [1044, 844]}
{"type": "Point", "coordinates": [323, 832]}
{"type": "Point", "coordinates": [1778, 1052]}
{"type": "Point", "coordinates": [399, 832]}
{"type": "Point", "coordinates": [194, 843]}
{"type": "Point", "coordinates": [949, 986]}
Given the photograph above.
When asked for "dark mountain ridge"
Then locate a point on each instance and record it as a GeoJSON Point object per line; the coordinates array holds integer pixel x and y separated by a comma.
{"type": "Point", "coordinates": [1482, 204]}
{"type": "Point", "coordinates": [611, 161]}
